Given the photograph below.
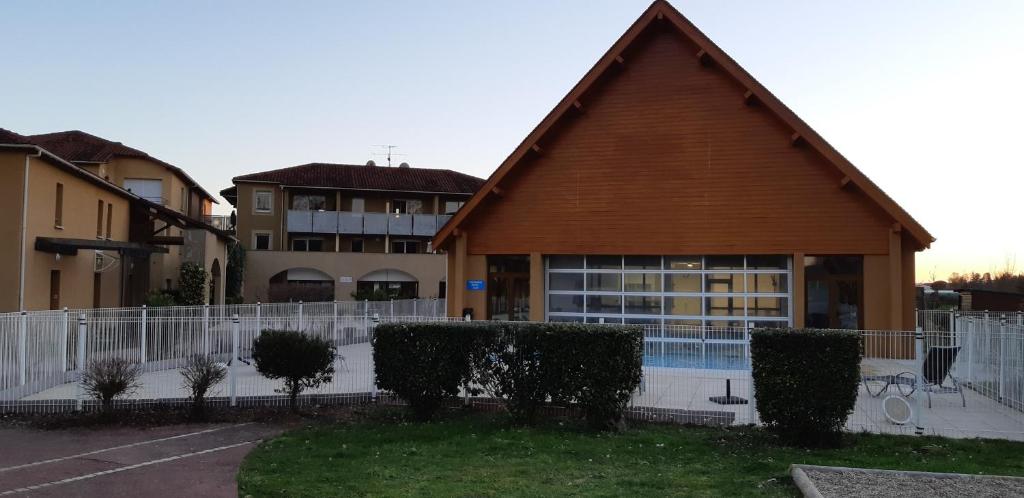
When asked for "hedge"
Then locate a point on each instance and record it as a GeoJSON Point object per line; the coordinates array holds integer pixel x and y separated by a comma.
{"type": "Point", "coordinates": [806, 382]}
{"type": "Point", "coordinates": [526, 365]}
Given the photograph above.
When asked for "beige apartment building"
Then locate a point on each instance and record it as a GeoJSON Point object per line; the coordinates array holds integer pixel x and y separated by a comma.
{"type": "Point", "coordinates": [81, 234]}
{"type": "Point", "coordinates": [321, 232]}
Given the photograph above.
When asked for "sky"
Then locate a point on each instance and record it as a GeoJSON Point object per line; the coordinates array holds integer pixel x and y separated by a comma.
{"type": "Point", "coordinates": [923, 96]}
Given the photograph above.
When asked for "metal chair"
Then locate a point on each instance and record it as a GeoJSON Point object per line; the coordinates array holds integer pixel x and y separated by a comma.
{"type": "Point", "coordinates": [938, 363]}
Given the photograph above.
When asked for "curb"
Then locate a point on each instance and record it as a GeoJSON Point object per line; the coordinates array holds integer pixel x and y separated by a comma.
{"type": "Point", "coordinates": [804, 483]}
{"type": "Point", "coordinates": [809, 490]}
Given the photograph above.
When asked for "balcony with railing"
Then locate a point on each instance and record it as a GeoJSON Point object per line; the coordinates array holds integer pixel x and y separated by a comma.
{"type": "Point", "coordinates": [349, 223]}
{"type": "Point", "coordinates": [222, 222]}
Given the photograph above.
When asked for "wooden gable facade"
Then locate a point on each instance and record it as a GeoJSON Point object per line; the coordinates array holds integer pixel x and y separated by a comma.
{"type": "Point", "coordinates": [668, 147]}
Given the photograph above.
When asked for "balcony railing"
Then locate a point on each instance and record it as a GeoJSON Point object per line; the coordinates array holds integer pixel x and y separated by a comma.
{"type": "Point", "coordinates": [345, 222]}
{"type": "Point", "coordinates": [222, 222]}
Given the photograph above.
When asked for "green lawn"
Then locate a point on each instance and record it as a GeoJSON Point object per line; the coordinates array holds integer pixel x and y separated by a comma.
{"type": "Point", "coordinates": [481, 456]}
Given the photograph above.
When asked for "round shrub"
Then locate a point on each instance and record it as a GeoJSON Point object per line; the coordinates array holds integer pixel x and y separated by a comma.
{"type": "Point", "coordinates": [302, 361]}
{"type": "Point", "coordinates": [806, 382]}
{"type": "Point", "coordinates": [110, 378]}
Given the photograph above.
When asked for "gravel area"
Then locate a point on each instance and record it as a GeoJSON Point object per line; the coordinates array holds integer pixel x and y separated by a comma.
{"type": "Point", "coordinates": [857, 483]}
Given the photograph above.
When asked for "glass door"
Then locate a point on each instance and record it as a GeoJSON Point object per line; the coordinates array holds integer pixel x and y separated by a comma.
{"type": "Point", "coordinates": [508, 288]}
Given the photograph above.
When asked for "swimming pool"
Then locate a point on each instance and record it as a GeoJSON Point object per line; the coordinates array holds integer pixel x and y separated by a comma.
{"type": "Point", "coordinates": [713, 356]}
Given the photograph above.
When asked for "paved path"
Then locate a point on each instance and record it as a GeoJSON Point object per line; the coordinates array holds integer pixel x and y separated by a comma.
{"type": "Point", "coordinates": [184, 460]}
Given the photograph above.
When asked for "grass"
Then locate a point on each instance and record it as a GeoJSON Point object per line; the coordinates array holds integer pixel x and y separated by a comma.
{"type": "Point", "coordinates": [479, 455]}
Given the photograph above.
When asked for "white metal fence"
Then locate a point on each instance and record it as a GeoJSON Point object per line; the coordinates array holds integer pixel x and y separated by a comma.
{"type": "Point", "coordinates": [691, 373]}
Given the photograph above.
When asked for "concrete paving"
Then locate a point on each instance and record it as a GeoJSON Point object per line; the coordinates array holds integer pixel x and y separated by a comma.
{"type": "Point", "coordinates": [186, 460]}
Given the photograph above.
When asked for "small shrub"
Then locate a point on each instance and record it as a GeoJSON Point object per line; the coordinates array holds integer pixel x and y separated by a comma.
{"type": "Point", "coordinates": [191, 284]}
{"type": "Point", "coordinates": [806, 382]}
{"type": "Point", "coordinates": [109, 379]}
{"type": "Point", "coordinates": [161, 298]}
{"type": "Point", "coordinates": [301, 361]}
{"type": "Point", "coordinates": [425, 363]}
{"type": "Point", "coordinates": [200, 374]}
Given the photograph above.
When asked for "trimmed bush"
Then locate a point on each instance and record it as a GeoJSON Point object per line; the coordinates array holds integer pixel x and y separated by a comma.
{"type": "Point", "coordinates": [425, 363]}
{"type": "Point", "coordinates": [302, 361]}
{"type": "Point", "coordinates": [109, 379]}
{"type": "Point", "coordinates": [200, 374]}
{"type": "Point", "coordinates": [526, 365]}
{"type": "Point", "coordinates": [191, 284]}
{"type": "Point", "coordinates": [806, 382]}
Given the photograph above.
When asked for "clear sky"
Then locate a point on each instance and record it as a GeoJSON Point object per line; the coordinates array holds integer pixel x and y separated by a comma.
{"type": "Point", "coordinates": [923, 96]}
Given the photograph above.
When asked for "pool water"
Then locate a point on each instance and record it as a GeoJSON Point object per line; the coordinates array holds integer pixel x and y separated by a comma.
{"type": "Point", "coordinates": [695, 355]}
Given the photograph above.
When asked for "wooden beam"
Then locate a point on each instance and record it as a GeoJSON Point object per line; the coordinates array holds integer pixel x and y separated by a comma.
{"type": "Point", "coordinates": [577, 105]}
{"type": "Point", "coordinates": [748, 97]}
{"type": "Point", "coordinates": [896, 228]}
{"type": "Point", "coordinates": [703, 58]}
{"type": "Point", "coordinates": [167, 240]}
{"type": "Point", "coordinates": [536, 148]}
{"type": "Point", "coordinates": [795, 138]}
{"type": "Point", "coordinates": [498, 192]}
{"type": "Point", "coordinates": [660, 16]}
{"type": "Point", "coordinates": [844, 182]}
{"type": "Point", "coordinates": [620, 60]}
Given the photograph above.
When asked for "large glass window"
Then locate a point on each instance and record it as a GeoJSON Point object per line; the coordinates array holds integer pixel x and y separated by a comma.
{"type": "Point", "coordinates": [263, 201]}
{"type": "Point", "coordinates": [834, 292]}
{"type": "Point", "coordinates": [719, 291]}
{"type": "Point", "coordinates": [309, 202]}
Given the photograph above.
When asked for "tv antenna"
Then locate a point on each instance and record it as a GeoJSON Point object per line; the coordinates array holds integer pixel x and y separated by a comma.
{"type": "Point", "coordinates": [388, 152]}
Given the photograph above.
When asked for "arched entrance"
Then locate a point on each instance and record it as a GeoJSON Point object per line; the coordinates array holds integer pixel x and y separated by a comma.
{"type": "Point", "coordinates": [301, 284]}
{"type": "Point", "coordinates": [215, 282]}
{"type": "Point", "coordinates": [387, 284]}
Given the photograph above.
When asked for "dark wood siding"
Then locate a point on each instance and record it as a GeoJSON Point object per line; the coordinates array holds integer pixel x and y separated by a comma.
{"type": "Point", "coordinates": [668, 159]}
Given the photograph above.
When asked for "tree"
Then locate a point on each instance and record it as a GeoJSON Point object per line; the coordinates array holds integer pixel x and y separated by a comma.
{"type": "Point", "coordinates": [191, 284]}
{"type": "Point", "coordinates": [235, 272]}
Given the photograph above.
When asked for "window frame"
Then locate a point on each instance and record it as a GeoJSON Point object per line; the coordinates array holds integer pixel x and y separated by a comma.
{"type": "Point", "coordinates": [58, 208]}
{"type": "Point", "coordinates": [256, 201]}
{"type": "Point", "coordinates": [255, 239]}
{"type": "Point", "coordinates": [306, 240]}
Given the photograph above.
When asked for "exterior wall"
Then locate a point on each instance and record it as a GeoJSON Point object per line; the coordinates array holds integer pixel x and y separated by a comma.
{"type": "Point", "coordinates": [79, 222]}
{"type": "Point", "coordinates": [667, 158]}
{"type": "Point", "coordinates": [12, 179]}
{"type": "Point", "coordinates": [429, 269]}
{"type": "Point", "coordinates": [120, 168]}
{"type": "Point", "coordinates": [205, 248]}
{"type": "Point", "coordinates": [248, 220]}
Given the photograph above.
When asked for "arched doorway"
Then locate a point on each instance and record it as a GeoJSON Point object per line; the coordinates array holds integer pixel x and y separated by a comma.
{"type": "Point", "coordinates": [301, 284]}
{"type": "Point", "coordinates": [387, 284]}
{"type": "Point", "coordinates": [215, 282]}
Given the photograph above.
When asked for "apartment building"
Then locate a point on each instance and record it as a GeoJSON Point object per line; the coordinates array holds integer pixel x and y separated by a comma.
{"type": "Point", "coordinates": [76, 237]}
{"type": "Point", "coordinates": [670, 187]}
{"type": "Point", "coordinates": [323, 231]}
{"type": "Point", "coordinates": [156, 181]}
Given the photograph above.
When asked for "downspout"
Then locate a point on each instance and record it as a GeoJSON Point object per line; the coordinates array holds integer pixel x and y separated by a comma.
{"type": "Point", "coordinates": [24, 229]}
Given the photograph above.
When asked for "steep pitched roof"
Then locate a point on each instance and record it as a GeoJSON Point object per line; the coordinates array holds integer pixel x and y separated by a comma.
{"type": "Point", "coordinates": [350, 176]}
{"type": "Point", "coordinates": [710, 53]}
{"type": "Point", "coordinates": [81, 147]}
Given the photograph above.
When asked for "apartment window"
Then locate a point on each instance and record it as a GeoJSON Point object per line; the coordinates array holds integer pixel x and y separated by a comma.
{"type": "Point", "coordinates": [261, 241]}
{"type": "Point", "coordinates": [304, 202]}
{"type": "Point", "coordinates": [110, 217]}
{"type": "Point", "coordinates": [357, 245]}
{"type": "Point", "coordinates": [99, 218]}
{"type": "Point", "coordinates": [405, 246]}
{"type": "Point", "coordinates": [58, 208]}
{"type": "Point", "coordinates": [407, 206]}
{"type": "Point", "coordinates": [264, 201]}
{"type": "Point", "coordinates": [308, 245]}
{"type": "Point", "coordinates": [450, 207]}
{"type": "Point", "coordinates": [358, 205]}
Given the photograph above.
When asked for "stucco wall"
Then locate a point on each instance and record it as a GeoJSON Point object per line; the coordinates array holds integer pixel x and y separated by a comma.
{"type": "Point", "coordinates": [428, 269]}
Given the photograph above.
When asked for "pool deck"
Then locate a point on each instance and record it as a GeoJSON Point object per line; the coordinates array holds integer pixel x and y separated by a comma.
{"type": "Point", "coordinates": [682, 389]}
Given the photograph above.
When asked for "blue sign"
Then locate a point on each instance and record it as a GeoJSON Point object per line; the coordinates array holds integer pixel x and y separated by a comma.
{"type": "Point", "coordinates": [474, 285]}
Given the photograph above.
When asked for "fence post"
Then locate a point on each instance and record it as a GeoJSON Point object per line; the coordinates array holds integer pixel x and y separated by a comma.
{"type": "Point", "coordinates": [142, 335]}
{"type": "Point", "coordinates": [234, 360]}
{"type": "Point", "coordinates": [64, 341]}
{"type": "Point", "coordinates": [258, 329]}
{"type": "Point", "coordinates": [972, 331]}
{"type": "Point", "coordinates": [23, 348]}
{"type": "Point", "coordinates": [392, 309]}
{"type": "Point", "coordinates": [80, 360]}
{"type": "Point", "coordinates": [414, 301]}
{"type": "Point", "coordinates": [334, 324]}
{"type": "Point", "coordinates": [366, 318]}
{"type": "Point", "coordinates": [1002, 359]}
{"type": "Point", "coordinates": [300, 316]}
{"type": "Point", "coordinates": [919, 367]}
{"type": "Point", "coordinates": [206, 329]}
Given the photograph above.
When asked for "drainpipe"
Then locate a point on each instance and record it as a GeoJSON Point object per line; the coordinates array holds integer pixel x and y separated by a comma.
{"type": "Point", "coordinates": [24, 228]}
